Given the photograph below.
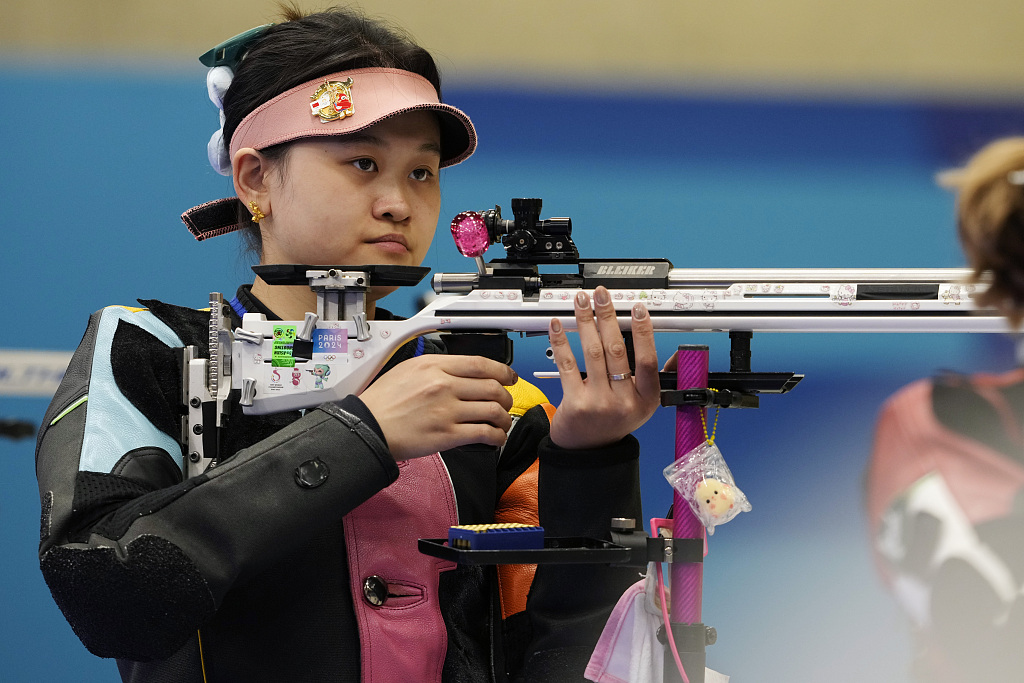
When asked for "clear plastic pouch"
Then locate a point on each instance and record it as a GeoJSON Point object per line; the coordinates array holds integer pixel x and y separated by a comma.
{"type": "Point", "coordinates": [703, 479]}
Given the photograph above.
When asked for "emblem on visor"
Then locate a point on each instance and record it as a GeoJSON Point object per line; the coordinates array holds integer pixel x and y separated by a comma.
{"type": "Point", "coordinates": [333, 100]}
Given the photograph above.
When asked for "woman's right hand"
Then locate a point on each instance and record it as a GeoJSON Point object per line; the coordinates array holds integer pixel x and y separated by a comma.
{"type": "Point", "coordinates": [435, 402]}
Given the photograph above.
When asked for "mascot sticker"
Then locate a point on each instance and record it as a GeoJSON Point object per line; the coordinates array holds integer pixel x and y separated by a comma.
{"type": "Point", "coordinates": [320, 374]}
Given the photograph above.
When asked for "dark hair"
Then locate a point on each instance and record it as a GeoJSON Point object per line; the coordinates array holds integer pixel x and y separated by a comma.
{"type": "Point", "coordinates": [990, 220]}
{"type": "Point", "coordinates": [305, 47]}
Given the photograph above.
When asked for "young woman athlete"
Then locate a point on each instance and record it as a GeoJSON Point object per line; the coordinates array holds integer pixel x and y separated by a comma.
{"type": "Point", "coordinates": [253, 570]}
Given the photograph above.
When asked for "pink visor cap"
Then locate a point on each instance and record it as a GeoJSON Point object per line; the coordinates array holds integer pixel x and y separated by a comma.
{"type": "Point", "coordinates": [351, 101]}
{"type": "Point", "coordinates": [337, 104]}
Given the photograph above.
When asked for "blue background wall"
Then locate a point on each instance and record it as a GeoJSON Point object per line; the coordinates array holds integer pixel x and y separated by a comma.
{"type": "Point", "coordinates": [97, 167]}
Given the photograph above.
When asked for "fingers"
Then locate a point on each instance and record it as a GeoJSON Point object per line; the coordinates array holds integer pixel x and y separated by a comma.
{"type": "Point", "coordinates": [484, 413]}
{"type": "Point", "coordinates": [600, 411]}
{"type": "Point", "coordinates": [561, 353]}
{"type": "Point", "coordinates": [615, 353]}
{"type": "Point", "coordinates": [644, 353]}
{"type": "Point", "coordinates": [477, 367]}
{"type": "Point", "coordinates": [436, 402]}
{"type": "Point", "coordinates": [479, 433]}
{"type": "Point", "coordinates": [484, 422]}
{"type": "Point", "coordinates": [481, 390]}
{"type": "Point", "coordinates": [604, 350]}
{"type": "Point", "coordinates": [472, 379]}
{"type": "Point", "coordinates": [590, 340]}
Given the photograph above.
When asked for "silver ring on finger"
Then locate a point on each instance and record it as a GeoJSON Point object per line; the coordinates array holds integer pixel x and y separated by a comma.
{"type": "Point", "coordinates": [616, 377]}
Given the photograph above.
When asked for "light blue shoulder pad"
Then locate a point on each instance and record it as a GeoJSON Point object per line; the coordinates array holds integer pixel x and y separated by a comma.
{"type": "Point", "coordinates": [113, 425]}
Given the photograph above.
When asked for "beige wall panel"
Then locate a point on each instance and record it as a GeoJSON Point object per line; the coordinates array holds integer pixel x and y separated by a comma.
{"type": "Point", "coordinates": [905, 46]}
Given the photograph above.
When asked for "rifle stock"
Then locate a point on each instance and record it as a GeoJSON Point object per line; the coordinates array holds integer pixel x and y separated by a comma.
{"type": "Point", "coordinates": [760, 300]}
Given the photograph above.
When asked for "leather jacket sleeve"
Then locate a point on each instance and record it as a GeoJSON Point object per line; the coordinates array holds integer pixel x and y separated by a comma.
{"type": "Point", "coordinates": [136, 557]}
{"type": "Point", "coordinates": [578, 493]}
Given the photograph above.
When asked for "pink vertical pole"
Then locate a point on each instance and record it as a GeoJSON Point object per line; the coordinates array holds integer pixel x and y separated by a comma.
{"type": "Point", "coordinates": [688, 577]}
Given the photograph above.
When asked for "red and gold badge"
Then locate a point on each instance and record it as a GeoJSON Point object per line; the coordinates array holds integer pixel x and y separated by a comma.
{"type": "Point", "coordinates": [333, 100]}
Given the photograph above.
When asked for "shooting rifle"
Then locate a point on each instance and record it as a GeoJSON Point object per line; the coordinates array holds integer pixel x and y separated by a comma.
{"type": "Point", "coordinates": [279, 366]}
{"type": "Point", "coordinates": [337, 351]}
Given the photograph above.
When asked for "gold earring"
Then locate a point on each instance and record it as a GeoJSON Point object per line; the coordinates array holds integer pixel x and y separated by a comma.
{"type": "Point", "coordinates": [257, 215]}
